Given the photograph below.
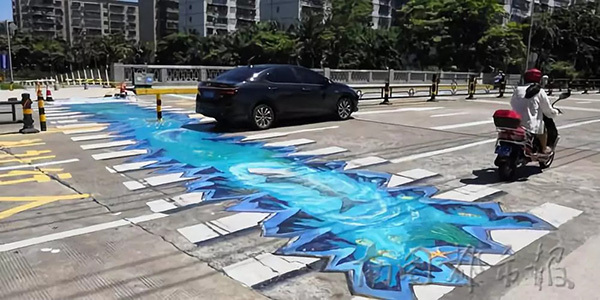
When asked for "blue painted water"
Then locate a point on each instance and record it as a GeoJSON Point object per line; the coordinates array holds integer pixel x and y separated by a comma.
{"type": "Point", "coordinates": [385, 239]}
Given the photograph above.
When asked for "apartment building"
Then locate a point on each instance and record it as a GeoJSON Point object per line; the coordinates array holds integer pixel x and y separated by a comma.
{"type": "Point", "coordinates": [158, 18]}
{"type": "Point", "coordinates": [288, 12]}
{"type": "Point", "coordinates": [207, 17]}
{"type": "Point", "coordinates": [72, 20]}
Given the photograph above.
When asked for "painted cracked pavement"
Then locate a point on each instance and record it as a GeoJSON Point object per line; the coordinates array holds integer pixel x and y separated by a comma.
{"type": "Point", "coordinates": [384, 239]}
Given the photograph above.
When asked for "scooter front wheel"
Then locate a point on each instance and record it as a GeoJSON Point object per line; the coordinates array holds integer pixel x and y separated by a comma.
{"type": "Point", "coordinates": [507, 171]}
{"type": "Point", "coordinates": [545, 164]}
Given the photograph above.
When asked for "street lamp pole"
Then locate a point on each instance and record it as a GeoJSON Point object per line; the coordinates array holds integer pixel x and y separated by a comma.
{"type": "Point", "coordinates": [531, 10]}
{"type": "Point", "coordinates": [9, 52]}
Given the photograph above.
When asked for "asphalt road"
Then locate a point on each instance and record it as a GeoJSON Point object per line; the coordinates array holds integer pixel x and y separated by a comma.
{"type": "Point", "coordinates": [78, 221]}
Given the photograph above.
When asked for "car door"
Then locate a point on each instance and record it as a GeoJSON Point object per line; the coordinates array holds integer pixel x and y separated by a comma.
{"type": "Point", "coordinates": [283, 89]}
{"type": "Point", "coordinates": [313, 92]}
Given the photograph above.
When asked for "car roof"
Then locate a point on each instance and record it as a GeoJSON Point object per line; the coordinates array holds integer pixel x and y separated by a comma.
{"type": "Point", "coordinates": [272, 66]}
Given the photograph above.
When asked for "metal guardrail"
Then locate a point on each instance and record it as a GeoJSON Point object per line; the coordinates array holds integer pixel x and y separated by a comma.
{"type": "Point", "coordinates": [175, 75]}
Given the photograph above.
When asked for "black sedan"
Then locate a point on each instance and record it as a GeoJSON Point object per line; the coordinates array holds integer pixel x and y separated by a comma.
{"type": "Point", "coordinates": [262, 94]}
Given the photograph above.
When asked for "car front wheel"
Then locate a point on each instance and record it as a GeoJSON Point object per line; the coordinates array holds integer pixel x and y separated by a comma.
{"type": "Point", "coordinates": [344, 108]}
{"type": "Point", "coordinates": [263, 116]}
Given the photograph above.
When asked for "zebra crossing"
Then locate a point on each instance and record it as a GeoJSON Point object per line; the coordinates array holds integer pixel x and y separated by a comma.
{"type": "Point", "coordinates": [263, 268]}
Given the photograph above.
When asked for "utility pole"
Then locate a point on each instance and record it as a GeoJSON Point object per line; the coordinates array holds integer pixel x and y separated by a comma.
{"type": "Point", "coordinates": [9, 52]}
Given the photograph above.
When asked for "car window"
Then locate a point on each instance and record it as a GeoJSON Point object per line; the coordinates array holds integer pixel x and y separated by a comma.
{"type": "Point", "coordinates": [282, 75]}
{"type": "Point", "coordinates": [310, 77]}
{"type": "Point", "coordinates": [238, 74]}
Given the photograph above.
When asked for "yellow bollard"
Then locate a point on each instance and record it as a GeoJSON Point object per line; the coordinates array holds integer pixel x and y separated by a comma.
{"type": "Point", "coordinates": [42, 112]}
{"type": "Point", "coordinates": [158, 107]}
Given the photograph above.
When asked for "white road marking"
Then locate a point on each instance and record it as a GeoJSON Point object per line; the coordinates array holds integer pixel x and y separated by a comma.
{"type": "Point", "coordinates": [297, 142]}
{"type": "Point", "coordinates": [448, 115]}
{"type": "Point", "coordinates": [52, 118]}
{"type": "Point", "coordinates": [409, 176]}
{"type": "Point", "coordinates": [79, 231]}
{"type": "Point", "coordinates": [157, 180]}
{"type": "Point", "coordinates": [468, 193]}
{"type": "Point", "coordinates": [269, 135]}
{"type": "Point", "coordinates": [108, 145]}
{"type": "Point", "coordinates": [474, 144]}
{"type": "Point", "coordinates": [584, 102]}
{"type": "Point", "coordinates": [189, 198]}
{"type": "Point", "coordinates": [558, 106]}
{"type": "Point", "coordinates": [119, 154]}
{"type": "Point", "coordinates": [556, 215]}
{"type": "Point", "coordinates": [90, 130]}
{"type": "Point", "coordinates": [320, 152]}
{"type": "Point", "coordinates": [265, 267]}
{"type": "Point", "coordinates": [92, 137]}
{"type": "Point", "coordinates": [196, 116]}
{"type": "Point", "coordinates": [62, 114]}
{"type": "Point", "coordinates": [83, 125]}
{"type": "Point", "coordinates": [372, 112]}
{"type": "Point", "coordinates": [166, 179]}
{"type": "Point", "coordinates": [461, 125]}
{"type": "Point", "coordinates": [160, 205]}
{"type": "Point", "coordinates": [134, 185]}
{"type": "Point", "coordinates": [221, 227]}
{"type": "Point", "coordinates": [578, 124]}
{"type": "Point", "coordinates": [65, 121]}
{"type": "Point", "coordinates": [417, 174]}
{"type": "Point", "coordinates": [441, 151]}
{"type": "Point", "coordinates": [49, 163]}
{"type": "Point", "coordinates": [133, 166]}
{"type": "Point", "coordinates": [364, 162]}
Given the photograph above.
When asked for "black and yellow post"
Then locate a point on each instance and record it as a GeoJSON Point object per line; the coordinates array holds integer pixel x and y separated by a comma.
{"type": "Point", "coordinates": [435, 87]}
{"type": "Point", "coordinates": [472, 86]}
{"type": "Point", "coordinates": [11, 86]}
{"type": "Point", "coordinates": [386, 93]}
{"type": "Point", "coordinates": [27, 115]}
{"type": "Point", "coordinates": [550, 86]}
{"type": "Point", "coordinates": [158, 107]}
{"type": "Point", "coordinates": [585, 87]}
{"type": "Point", "coordinates": [42, 112]}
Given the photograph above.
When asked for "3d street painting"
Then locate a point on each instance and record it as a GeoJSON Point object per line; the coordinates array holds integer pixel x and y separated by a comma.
{"type": "Point", "coordinates": [384, 239]}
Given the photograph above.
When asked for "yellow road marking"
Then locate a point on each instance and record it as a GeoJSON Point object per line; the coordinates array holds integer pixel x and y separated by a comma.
{"type": "Point", "coordinates": [21, 143]}
{"type": "Point", "coordinates": [27, 160]}
{"type": "Point", "coordinates": [37, 201]}
{"type": "Point", "coordinates": [35, 176]}
{"type": "Point", "coordinates": [29, 153]}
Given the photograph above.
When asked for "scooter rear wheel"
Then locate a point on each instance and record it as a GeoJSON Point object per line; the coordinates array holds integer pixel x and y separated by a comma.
{"type": "Point", "coordinates": [506, 172]}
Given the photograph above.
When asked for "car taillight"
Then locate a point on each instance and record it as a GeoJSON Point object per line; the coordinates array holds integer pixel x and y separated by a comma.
{"type": "Point", "coordinates": [229, 92]}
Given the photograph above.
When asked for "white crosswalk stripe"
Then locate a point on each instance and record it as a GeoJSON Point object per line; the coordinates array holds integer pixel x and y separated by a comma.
{"type": "Point", "coordinates": [119, 154]}
{"type": "Point", "coordinates": [108, 145]}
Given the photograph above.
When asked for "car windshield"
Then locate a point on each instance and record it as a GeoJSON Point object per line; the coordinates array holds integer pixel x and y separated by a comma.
{"type": "Point", "coordinates": [238, 74]}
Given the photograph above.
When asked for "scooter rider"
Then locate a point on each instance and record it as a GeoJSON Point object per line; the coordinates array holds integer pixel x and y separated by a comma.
{"type": "Point", "coordinates": [532, 103]}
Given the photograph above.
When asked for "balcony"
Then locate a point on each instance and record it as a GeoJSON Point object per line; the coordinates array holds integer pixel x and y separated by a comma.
{"type": "Point", "coordinates": [247, 4]}
{"type": "Point", "coordinates": [312, 3]}
{"type": "Point", "coordinates": [217, 2]}
{"type": "Point", "coordinates": [241, 15]}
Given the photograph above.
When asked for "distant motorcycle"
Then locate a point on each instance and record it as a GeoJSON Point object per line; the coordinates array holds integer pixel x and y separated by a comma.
{"type": "Point", "coordinates": [516, 147]}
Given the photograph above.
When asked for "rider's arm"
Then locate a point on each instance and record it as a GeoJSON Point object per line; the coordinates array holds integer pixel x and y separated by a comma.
{"type": "Point", "coordinates": [546, 106]}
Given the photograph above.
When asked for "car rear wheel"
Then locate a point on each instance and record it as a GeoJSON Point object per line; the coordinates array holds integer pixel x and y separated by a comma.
{"type": "Point", "coordinates": [263, 116]}
{"type": "Point", "coordinates": [344, 108]}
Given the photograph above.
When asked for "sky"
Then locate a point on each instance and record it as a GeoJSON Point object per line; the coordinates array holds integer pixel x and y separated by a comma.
{"type": "Point", "coordinates": [5, 10]}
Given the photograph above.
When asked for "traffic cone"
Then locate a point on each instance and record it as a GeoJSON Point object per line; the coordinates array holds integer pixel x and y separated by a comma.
{"type": "Point", "coordinates": [49, 94]}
